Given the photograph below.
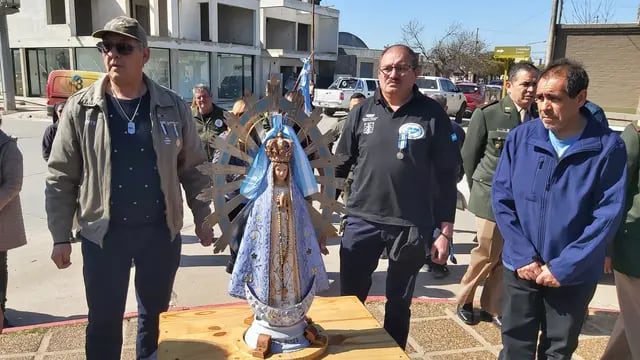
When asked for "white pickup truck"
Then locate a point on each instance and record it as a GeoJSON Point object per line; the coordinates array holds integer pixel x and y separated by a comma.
{"type": "Point", "coordinates": [456, 101]}
{"type": "Point", "coordinates": [337, 96]}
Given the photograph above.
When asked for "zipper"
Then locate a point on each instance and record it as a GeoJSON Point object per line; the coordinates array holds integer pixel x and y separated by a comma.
{"type": "Point", "coordinates": [543, 214]}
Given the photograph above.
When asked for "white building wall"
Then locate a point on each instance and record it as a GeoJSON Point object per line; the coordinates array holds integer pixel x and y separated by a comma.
{"type": "Point", "coordinates": [102, 11]}
{"type": "Point", "coordinates": [326, 35]}
{"type": "Point", "coordinates": [190, 20]}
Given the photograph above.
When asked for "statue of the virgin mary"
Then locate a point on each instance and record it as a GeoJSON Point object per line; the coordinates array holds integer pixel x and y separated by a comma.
{"type": "Point", "coordinates": [279, 266]}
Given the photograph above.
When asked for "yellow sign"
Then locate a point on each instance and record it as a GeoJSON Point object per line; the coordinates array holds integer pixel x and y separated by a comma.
{"type": "Point", "coordinates": [512, 52]}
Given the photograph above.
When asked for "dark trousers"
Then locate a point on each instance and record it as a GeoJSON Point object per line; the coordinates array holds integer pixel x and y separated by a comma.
{"type": "Point", "coordinates": [558, 313]}
{"type": "Point", "coordinates": [4, 279]}
{"type": "Point", "coordinates": [362, 244]}
{"type": "Point", "coordinates": [106, 276]}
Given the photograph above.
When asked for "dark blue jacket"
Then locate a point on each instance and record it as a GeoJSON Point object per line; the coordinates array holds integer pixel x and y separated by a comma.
{"type": "Point", "coordinates": [560, 212]}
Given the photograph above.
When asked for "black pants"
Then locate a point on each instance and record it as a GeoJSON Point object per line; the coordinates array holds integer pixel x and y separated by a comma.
{"type": "Point", "coordinates": [362, 244]}
{"type": "Point", "coordinates": [4, 279]}
{"type": "Point", "coordinates": [106, 276]}
{"type": "Point", "coordinates": [558, 313]}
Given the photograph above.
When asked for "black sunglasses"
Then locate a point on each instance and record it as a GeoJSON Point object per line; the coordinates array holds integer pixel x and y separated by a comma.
{"type": "Point", "coordinates": [121, 48]}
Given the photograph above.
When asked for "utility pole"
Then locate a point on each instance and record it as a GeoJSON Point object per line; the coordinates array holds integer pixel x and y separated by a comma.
{"type": "Point", "coordinates": [6, 8]}
{"type": "Point", "coordinates": [555, 6]}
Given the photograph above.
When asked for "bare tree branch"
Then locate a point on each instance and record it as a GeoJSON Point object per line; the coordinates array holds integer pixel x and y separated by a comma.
{"type": "Point", "coordinates": [592, 12]}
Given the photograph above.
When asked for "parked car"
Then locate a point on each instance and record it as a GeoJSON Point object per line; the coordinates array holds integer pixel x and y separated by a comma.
{"type": "Point", "coordinates": [474, 94]}
{"type": "Point", "coordinates": [337, 96]}
{"type": "Point", "coordinates": [63, 83]}
{"type": "Point", "coordinates": [456, 101]}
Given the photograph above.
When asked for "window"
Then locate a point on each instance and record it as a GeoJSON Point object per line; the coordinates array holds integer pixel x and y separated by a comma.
{"type": "Point", "coordinates": [193, 68]}
{"type": "Point", "coordinates": [235, 75]}
{"type": "Point", "coordinates": [89, 59]}
{"type": "Point", "coordinates": [158, 67]}
{"type": "Point", "coordinates": [427, 84]}
{"type": "Point", "coordinates": [304, 37]}
{"type": "Point", "coordinates": [366, 69]}
{"type": "Point", "coordinates": [204, 22]}
{"type": "Point", "coordinates": [142, 15]}
{"type": "Point", "coordinates": [56, 13]}
{"type": "Point", "coordinates": [57, 59]}
{"type": "Point", "coordinates": [372, 85]}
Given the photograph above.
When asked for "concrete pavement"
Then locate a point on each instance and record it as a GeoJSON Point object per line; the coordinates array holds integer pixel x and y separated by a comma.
{"type": "Point", "coordinates": [39, 293]}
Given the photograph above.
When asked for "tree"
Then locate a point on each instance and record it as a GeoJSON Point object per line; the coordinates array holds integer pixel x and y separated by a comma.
{"type": "Point", "coordinates": [591, 12]}
{"type": "Point", "coordinates": [456, 51]}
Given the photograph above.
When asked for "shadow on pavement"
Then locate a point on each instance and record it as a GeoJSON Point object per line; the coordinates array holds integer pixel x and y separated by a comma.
{"type": "Point", "coordinates": [204, 260]}
{"type": "Point", "coordinates": [26, 318]}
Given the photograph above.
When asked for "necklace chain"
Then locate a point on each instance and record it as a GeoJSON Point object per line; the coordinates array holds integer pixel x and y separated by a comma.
{"type": "Point", "coordinates": [135, 112]}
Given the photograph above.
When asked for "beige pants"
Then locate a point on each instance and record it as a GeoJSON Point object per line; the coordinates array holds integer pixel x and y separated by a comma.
{"type": "Point", "coordinates": [624, 343]}
{"type": "Point", "coordinates": [485, 266]}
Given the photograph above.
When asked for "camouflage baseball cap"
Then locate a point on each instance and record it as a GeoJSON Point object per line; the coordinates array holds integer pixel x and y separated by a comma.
{"type": "Point", "coordinates": [126, 26]}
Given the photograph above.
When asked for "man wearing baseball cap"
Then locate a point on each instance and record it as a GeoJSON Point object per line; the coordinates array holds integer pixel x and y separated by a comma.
{"type": "Point", "coordinates": [123, 148]}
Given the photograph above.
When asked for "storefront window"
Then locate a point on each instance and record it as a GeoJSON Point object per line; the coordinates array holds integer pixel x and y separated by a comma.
{"type": "Point", "coordinates": [89, 59]}
{"type": "Point", "coordinates": [235, 75]}
{"type": "Point", "coordinates": [57, 59]}
{"type": "Point", "coordinates": [158, 68]}
{"type": "Point", "coordinates": [193, 68]}
{"type": "Point", "coordinates": [17, 70]}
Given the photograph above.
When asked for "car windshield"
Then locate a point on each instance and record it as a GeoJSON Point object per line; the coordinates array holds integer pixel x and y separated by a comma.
{"type": "Point", "coordinates": [467, 89]}
{"type": "Point", "coordinates": [427, 84]}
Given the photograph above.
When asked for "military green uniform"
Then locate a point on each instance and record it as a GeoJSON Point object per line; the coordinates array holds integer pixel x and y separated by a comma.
{"type": "Point", "coordinates": [483, 145]}
{"type": "Point", "coordinates": [481, 151]}
{"type": "Point", "coordinates": [209, 126]}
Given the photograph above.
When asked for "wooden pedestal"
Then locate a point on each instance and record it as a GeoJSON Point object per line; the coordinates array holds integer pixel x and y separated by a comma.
{"type": "Point", "coordinates": [215, 333]}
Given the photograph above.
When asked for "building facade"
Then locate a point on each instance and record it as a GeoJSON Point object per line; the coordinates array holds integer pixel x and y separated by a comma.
{"type": "Point", "coordinates": [226, 44]}
{"type": "Point", "coordinates": [610, 54]}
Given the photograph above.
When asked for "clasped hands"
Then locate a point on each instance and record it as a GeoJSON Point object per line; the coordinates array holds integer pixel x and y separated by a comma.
{"type": "Point", "coordinates": [539, 273]}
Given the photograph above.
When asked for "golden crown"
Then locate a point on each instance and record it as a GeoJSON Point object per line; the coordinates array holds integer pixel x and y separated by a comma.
{"type": "Point", "coordinates": [279, 149]}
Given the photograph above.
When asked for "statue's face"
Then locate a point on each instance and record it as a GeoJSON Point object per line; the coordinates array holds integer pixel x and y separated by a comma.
{"type": "Point", "coordinates": [281, 171]}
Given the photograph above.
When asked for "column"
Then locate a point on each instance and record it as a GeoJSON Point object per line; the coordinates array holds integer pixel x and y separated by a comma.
{"type": "Point", "coordinates": [213, 20]}
{"type": "Point", "coordinates": [5, 65]}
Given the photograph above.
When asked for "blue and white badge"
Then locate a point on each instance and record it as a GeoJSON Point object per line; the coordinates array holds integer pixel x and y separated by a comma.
{"type": "Point", "coordinates": [414, 131]}
{"type": "Point", "coordinates": [219, 123]}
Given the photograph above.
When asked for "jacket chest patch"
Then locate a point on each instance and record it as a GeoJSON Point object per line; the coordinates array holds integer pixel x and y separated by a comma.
{"type": "Point", "coordinates": [412, 131]}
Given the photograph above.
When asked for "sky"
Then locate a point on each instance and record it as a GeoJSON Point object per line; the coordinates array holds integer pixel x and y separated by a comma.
{"type": "Point", "coordinates": [499, 23]}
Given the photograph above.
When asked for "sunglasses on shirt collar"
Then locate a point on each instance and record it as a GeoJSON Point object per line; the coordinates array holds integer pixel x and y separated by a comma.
{"type": "Point", "coordinates": [122, 48]}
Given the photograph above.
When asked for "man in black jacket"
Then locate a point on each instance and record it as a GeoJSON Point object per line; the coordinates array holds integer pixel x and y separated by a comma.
{"type": "Point", "coordinates": [390, 141]}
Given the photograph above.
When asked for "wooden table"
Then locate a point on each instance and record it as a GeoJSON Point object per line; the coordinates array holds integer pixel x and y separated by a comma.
{"type": "Point", "coordinates": [212, 333]}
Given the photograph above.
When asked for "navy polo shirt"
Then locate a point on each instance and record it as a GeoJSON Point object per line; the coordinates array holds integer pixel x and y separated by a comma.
{"type": "Point", "coordinates": [136, 195]}
{"type": "Point", "coordinates": [396, 189]}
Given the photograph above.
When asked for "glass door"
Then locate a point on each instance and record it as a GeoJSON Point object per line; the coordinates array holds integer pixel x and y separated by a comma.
{"type": "Point", "coordinates": [37, 72]}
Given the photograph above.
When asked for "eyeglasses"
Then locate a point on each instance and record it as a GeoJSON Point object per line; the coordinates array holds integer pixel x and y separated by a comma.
{"type": "Point", "coordinates": [400, 69]}
{"type": "Point", "coordinates": [122, 48]}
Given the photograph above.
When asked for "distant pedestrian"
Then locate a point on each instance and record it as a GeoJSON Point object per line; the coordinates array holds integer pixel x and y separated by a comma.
{"type": "Point", "coordinates": [488, 129]}
{"type": "Point", "coordinates": [354, 100]}
{"type": "Point", "coordinates": [388, 141]}
{"type": "Point", "coordinates": [125, 149]}
{"type": "Point", "coordinates": [624, 342]}
{"type": "Point", "coordinates": [558, 197]}
{"type": "Point", "coordinates": [209, 118]}
{"type": "Point", "coordinates": [50, 131]}
{"type": "Point", "coordinates": [11, 221]}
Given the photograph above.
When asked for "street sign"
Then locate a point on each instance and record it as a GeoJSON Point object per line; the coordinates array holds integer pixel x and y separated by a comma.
{"type": "Point", "coordinates": [512, 52]}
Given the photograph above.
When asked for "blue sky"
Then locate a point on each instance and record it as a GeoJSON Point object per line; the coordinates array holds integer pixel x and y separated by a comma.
{"type": "Point", "coordinates": [500, 23]}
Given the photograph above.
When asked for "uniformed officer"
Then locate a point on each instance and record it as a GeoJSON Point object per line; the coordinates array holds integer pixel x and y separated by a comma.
{"type": "Point", "coordinates": [209, 118]}
{"type": "Point", "coordinates": [486, 135]}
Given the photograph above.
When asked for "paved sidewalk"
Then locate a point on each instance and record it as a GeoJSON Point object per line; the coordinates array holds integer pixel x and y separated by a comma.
{"type": "Point", "coordinates": [436, 334]}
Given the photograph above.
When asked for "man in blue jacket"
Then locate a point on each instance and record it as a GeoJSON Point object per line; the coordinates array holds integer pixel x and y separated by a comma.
{"type": "Point", "coordinates": [558, 197]}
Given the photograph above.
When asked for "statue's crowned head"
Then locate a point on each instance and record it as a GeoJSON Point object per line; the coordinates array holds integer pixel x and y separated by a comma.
{"type": "Point", "coordinates": [279, 149]}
